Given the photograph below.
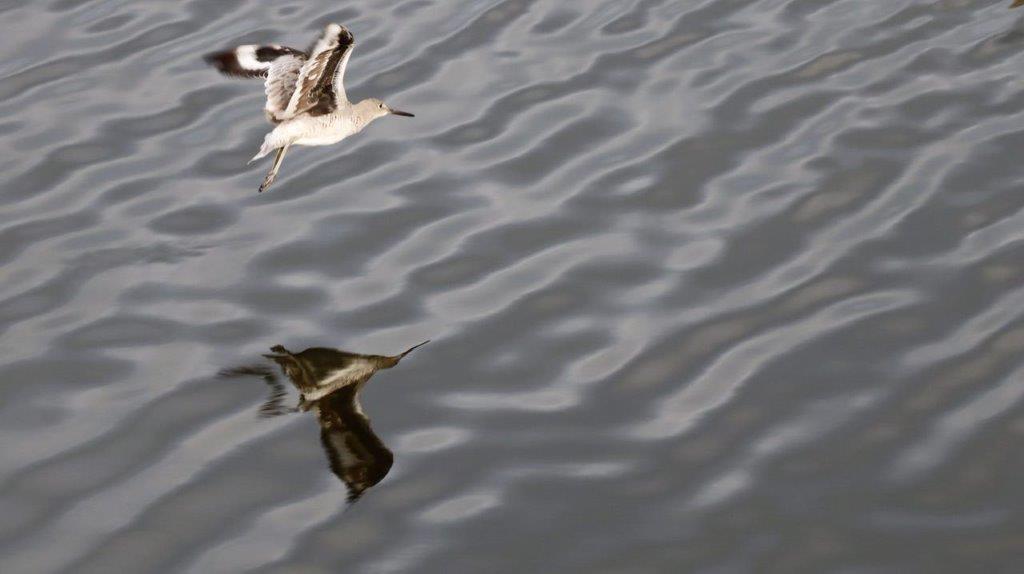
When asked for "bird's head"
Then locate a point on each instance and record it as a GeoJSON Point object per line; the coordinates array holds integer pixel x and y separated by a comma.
{"type": "Point", "coordinates": [374, 108]}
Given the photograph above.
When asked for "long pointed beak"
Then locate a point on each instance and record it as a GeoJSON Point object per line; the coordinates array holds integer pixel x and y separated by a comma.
{"type": "Point", "coordinates": [413, 348]}
{"type": "Point", "coordinates": [401, 113]}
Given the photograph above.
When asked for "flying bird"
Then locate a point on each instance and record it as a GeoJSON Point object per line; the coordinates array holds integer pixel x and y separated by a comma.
{"type": "Point", "coordinates": [305, 92]}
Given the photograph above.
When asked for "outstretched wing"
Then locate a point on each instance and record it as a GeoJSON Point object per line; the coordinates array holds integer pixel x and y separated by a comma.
{"type": "Point", "coordinates": [280, 65]}
{"type": "Point", "coordinates": [282, 77]}
{"type": "Point", "coordinates": [320, 90]}
{"type": "Point", "coordinates": [250, 60]}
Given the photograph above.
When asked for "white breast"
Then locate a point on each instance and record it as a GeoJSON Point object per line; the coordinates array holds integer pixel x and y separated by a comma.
{"type": "Point", "coordinates": [320, 130]}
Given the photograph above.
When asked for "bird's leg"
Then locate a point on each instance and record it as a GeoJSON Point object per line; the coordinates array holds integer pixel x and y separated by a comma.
{"type": "Point", "coordinates": [273, 171]}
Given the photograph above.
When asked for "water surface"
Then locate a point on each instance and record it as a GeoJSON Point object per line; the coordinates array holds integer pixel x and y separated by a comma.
{"type": "Point", "coordinates": [713, 286]}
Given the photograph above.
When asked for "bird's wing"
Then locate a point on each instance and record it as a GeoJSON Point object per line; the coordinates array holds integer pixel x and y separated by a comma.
{"type": "Point", "coordinates": [319, 88]}
{"type": "Point", "coordinates": [280, 65]}
{"type": "Point", "coordinates": [250, 60]}
{"type": "Point", "coordinates": [336, 71]}
{"type": "Point", "coordinates": [282, 77]}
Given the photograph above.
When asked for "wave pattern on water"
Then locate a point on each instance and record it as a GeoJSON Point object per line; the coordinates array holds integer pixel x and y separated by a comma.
{"type": "Point", "coordinates": [712, 286]}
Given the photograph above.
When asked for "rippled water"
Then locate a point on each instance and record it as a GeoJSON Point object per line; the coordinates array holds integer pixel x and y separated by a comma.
{"type": "Point", "coordinates": [716, 286]}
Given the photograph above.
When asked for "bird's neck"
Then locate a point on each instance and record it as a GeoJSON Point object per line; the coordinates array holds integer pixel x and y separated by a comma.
{"type": "Point", "coordinates": [382, 362]}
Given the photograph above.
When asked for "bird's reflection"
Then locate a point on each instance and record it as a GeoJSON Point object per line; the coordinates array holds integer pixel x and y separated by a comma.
{"type": "Point", "coordinates": [329, 381]}
{"type": "Point", "coordinates": [1016, 33]}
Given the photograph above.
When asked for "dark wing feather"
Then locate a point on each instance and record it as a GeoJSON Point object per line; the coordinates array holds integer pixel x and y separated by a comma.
{"type": "Point", "coordinates": [317, 91]}
{"type": "Point", "coordinates": [250, 60]}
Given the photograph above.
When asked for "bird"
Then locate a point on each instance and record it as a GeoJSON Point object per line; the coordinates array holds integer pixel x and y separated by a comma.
{"type": "Point", "coordinates": [329, 382]}
{"type": "Point", "coordinates": [1017, 4]}
{"type": "Point", "coordinates": [305, 91]}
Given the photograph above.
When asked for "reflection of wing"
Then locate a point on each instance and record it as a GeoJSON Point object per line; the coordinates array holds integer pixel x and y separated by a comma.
{"type": "Point", "coordinates": [274, 405]}
{"type": "Point", "coordinates": [292, 369]}
{"type": "Point", "coordinates": [319, 89]}
{"type": "Point", "coordinates": [356, 454]}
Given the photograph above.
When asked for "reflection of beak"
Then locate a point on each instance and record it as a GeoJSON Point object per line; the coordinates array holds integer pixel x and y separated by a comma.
{"type": "Point", "coordinates": [401, 113]}
{"type": "Point", "coordinates": [414, 347]}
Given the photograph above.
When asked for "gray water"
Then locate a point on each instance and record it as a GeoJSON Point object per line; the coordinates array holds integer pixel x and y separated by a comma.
{"type": "Point", "coordinates": [712, 286]}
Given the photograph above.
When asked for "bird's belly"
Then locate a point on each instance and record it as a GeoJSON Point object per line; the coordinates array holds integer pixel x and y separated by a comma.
{"type": "Point", "coordinates": [321, 139]}
{"type": "Point", "coordinates": [310, 131]}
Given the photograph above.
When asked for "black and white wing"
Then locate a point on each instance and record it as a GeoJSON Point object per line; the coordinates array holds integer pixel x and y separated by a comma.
{"type": "Point", "coordinates": [250, 60]}
{"type": "Point", "coordinates": [280, 65]}
{"type": "Point", "coordinates": [320, 89]}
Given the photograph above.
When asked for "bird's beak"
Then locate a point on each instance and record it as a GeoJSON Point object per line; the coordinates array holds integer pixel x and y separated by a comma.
{"type": "Point", "coordinates": [401, 113]}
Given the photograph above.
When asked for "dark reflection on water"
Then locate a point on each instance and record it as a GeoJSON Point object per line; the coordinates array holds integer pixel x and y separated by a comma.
{"type": "Point", "coordinates": [357, 456]}
{"type": "Point", "coordinates": [329, 382]}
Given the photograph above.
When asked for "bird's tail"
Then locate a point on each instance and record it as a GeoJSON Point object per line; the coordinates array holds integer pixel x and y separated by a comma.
{"type": "Point", "coordinates": [265, 149]}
